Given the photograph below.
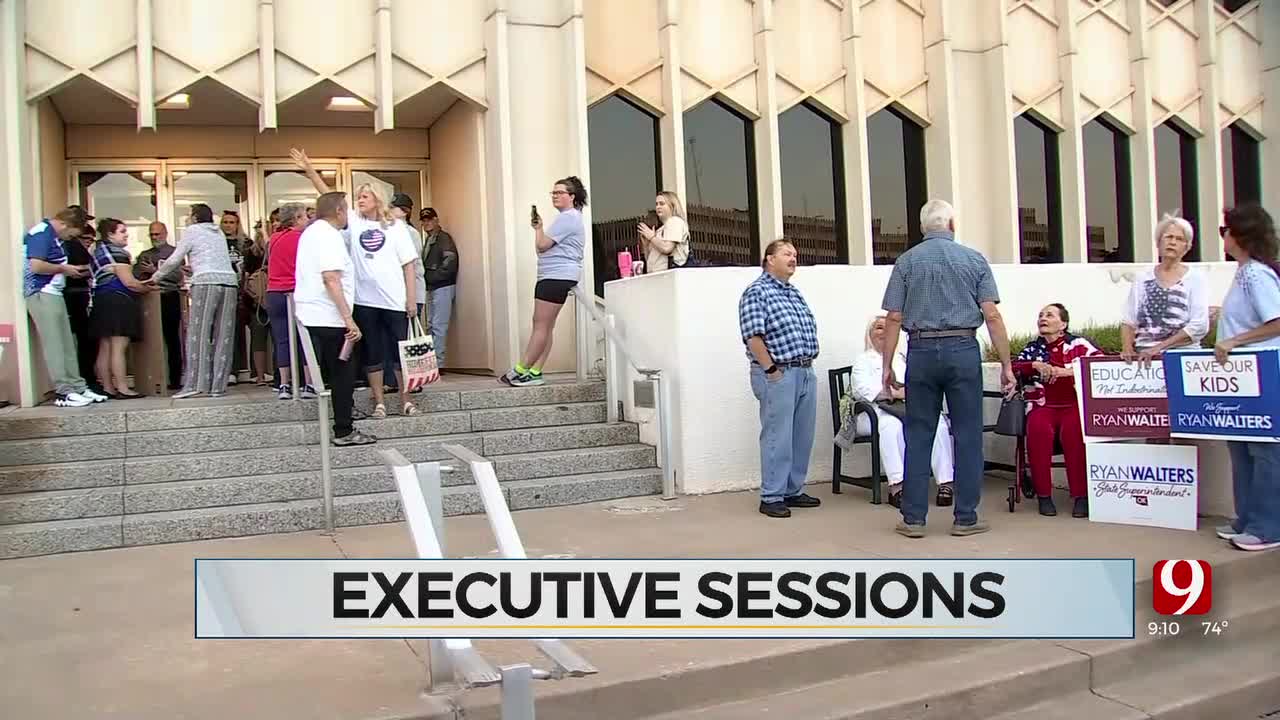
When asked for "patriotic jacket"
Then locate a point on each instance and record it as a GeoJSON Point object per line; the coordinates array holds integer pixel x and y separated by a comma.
{"type": "Point", "coordinates": [1060, 353]}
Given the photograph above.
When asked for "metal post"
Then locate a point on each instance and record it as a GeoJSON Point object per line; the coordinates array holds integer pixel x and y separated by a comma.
{"type": "Point", "coordinates": [294, 375]}
{"type": "Point", "coordinates": [517, 692]}
{"type": "Point", "coordinates": [583, 332]}
{"type": "Point", "coordinates": [662, 398]}
{"type": "Point", "coordinates": [613, 379]}
{"type": "Point", "coordinates": [326, 472]}
{"type": "Point", "coordinates": [433, 494]}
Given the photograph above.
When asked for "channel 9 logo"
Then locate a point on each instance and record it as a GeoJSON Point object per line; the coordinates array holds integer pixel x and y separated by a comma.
{"type": "Point", "coordinates": [1182, 587]}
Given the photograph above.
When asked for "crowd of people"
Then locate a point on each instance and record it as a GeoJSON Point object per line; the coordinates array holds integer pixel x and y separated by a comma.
{"type": "Point", "coordinates": [929, 397]}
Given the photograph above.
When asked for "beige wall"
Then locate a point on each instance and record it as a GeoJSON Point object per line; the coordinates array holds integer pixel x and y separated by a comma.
{"type": "Point", "coordinates": [120, 141]}
{"type": "Point", "coordinates": [457, 193]}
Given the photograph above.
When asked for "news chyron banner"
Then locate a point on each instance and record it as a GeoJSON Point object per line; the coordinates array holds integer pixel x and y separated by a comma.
{"type": "Point", "coordinates": [1236, 400]}
{"type": "Point", "coordinates": [581, 598]}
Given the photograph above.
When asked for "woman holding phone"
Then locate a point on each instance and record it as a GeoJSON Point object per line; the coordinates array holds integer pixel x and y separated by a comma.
{"type": "Point", "coordinates": [560, 251]}
{"type": "Point", "coordinates": [667, 246]}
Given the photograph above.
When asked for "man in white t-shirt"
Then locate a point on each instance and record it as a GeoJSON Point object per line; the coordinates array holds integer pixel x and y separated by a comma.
{"type": "Point", "coordinates": [323, 294]}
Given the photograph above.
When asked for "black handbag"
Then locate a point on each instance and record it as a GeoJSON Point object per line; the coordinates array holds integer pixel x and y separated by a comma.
{"type": "Point", "coordinates": [896, 408]}
{"type": "Point", "coordinates": [1012, 421]}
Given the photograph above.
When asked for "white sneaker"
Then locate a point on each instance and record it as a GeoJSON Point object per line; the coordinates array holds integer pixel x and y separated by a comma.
{"type": "Point", "coordinates": [284, 393]}
{"type": "Point", "coordinates": [96, 397]}
{"type": "Point", "coordinates": [74, 400]}
{"type": "Point", "coordinates": [183, 395]}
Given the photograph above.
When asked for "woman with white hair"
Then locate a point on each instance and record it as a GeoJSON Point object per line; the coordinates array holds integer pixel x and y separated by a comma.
{"type": "Point", "coordinates": [890, 410]}
{"type": "Point", "coordinates": [1168, 306]}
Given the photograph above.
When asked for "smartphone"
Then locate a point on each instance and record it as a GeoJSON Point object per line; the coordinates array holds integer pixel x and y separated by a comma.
{"type": "Point", "coordinates": [345, 354]}
{"type": "Point", "coordinates": [533, 214]}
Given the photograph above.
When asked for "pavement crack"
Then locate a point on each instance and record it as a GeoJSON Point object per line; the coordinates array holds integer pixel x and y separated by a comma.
{"type": "Point", "coordinates": [1095, 692]}
{"type": "Point", "coordinates": [334, 538]}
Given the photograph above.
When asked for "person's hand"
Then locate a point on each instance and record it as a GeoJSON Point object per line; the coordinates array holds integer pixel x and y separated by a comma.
{"type": "Point", "coordinates": [1222, 349]}
{"type": "Point", "coordinates": [1128, 356]}
{"type": "Point", "coordinates": [353, 332]}
{"type": "Point", "coordinates": [888, 380]}
{"type": "Point", "coordinates": [1043, 369]}
{"type": "Point", "coordinates": [300, 158]}
{"type": "Point", "coordinates": [75, 271]}
{"type": "Point", "coordinates": [1008, 382]}
{"type": "Point", "coordinates": [411, 308]}
{"type": "Point", "coordinates": [645, 231]}
{"type": "Point", "coordinates": [535, 223]}
{"type": "Point", "coordinates": [1145, 357]}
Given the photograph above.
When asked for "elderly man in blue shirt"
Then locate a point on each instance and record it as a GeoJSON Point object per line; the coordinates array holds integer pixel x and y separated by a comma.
{"type": "Point", "coordinates": [782, 341]}
{"type": "Point", "coordinates": [940, 292]}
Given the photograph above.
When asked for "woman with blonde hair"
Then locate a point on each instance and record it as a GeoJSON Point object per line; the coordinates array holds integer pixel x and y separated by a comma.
{"type": "Point", "coordinates": [383, 255]}
{"type": "Point", "coordinates": [890, 405]}
{"type": "Point", "coordinates": [666, 247]}
{"type": "Point", "coordinates": [1168, 306]}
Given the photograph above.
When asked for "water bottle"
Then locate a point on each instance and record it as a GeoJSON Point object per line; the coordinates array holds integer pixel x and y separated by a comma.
{"type": "Point", "coordinates": [624, 263]}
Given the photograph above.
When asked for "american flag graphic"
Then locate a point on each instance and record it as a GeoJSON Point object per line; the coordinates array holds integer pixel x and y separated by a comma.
{"type": "Point", "coordinates": [1162, 312]}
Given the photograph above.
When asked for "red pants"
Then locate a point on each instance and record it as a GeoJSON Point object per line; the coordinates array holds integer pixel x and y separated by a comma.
{"type": "Point", "coordinates": [1042, 423]}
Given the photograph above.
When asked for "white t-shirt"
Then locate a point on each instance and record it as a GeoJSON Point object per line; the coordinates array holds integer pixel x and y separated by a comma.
{"type": "Point", "coordinates": [380, 254]}
{"type": "Point", "coordinates": [321, 249]}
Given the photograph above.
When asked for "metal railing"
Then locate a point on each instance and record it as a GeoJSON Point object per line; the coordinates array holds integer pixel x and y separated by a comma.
{"type": "Point", "coordinates": [616, 352]}
{"type": "Point", "coordinates": [323, 406]}
{"type": "Point", "coordinates": [455, 662]}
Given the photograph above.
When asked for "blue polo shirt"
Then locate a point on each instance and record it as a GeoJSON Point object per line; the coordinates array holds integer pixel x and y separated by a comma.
{"type": "Point", "coordinates": [42, 243]}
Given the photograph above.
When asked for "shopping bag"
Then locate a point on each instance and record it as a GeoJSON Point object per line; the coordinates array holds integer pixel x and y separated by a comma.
{"type": "Point", "coordinates": [417, 359]}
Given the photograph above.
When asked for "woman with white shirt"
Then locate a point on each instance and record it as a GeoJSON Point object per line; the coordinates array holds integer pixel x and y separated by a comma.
{"type": "Point", "coordinates": [668, 246]}
{"type": "Point", "coordinates": [867, 387]}
{"type": "Point", "coordinates": [1168, 306]}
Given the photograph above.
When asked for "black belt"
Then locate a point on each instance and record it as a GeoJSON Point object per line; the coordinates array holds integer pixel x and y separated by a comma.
{"type": "Point", "coordinates": [955, 332]}
{"type": "Point", "coordinates": [796, 363]}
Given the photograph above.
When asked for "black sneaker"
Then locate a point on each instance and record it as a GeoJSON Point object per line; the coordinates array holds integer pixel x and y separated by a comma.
{"type": "Point", "coordinates": [775, 509]}
{"type": "Point", "coordinates": [1046, 507]}
{"type": "Point", "coordinates": [801, 501]}
{"type": "Point", "coordinates": [945, 495]}
{"type": "Point", "coordinates": [1081, 508]}
{"type": "Point", "coordinates": [354, 438]}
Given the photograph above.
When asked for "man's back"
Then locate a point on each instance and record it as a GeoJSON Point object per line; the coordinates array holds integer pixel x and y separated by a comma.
{"type": "Point", "coordinates": [939, 285]}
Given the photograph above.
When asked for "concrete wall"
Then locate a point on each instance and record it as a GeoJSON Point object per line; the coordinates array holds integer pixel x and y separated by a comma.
{"type": "Point", "coordinates": [715, 417]}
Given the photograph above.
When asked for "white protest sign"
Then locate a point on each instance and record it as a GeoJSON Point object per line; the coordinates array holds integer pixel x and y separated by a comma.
{"type": "Point", "coordinates": [1152, 485]}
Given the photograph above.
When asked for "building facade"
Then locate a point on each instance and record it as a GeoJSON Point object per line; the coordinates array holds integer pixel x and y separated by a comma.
{"type": "Point", "coordinates": [1060, 129]}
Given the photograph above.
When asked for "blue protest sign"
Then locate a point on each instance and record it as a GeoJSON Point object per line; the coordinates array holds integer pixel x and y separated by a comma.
{"type": "Point", "coordinates": [1238, 400]}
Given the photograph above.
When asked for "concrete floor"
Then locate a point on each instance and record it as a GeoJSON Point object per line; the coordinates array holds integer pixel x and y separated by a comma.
{"type": "Point", "coordinates": [109, 634]}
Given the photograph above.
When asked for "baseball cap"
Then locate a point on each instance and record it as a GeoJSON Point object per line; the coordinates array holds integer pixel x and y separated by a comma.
{"type": "Point", "coordinates": [428, 213]}
{"type": "Point", "coordinates": [401, 200]}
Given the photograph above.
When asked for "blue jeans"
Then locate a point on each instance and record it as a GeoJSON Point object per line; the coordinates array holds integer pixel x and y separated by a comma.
{"type": "Point", "coordinates": [788, 414]}
{"type": "Point", "coordinates": [1255, 479]}
{"type": "Point", "coordinates": [439, 312]}
{"type": "Point", "coordinates": [938, 367]}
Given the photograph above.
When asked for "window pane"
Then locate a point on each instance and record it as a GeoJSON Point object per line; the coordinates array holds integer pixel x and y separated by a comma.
{"type": "Point", "coordinates": [221, 191]}
{"type": "Point", "coordinates": [1176, 185]}
{"type": "Point", "coordinates": [1108, 201]}
{"type": "Point", "coordinates": [390, 182]}
{"type": "Point", "coordinates": [812, 217]}
{"type": "Point", "coordinates": [1039, 232]}
{"type": "Point", "coordinates": [127, 196]}
{"type": "Point", "coordinates": [1228, 170]}
{"type": "Point", "coordinates": [287, 186]}
{"type": "Point", "coordinates": [1241, 167]}
{"type": "Point", "coordinates": [624, 180]}
{"type": "Point", "coordinates": [895, 160]}
{"type": "Point", "coordinates": [720, 179]}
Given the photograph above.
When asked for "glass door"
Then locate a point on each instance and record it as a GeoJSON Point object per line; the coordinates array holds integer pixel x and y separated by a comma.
{"type": "Point", "coordinates": [225, 189]}
{"type": "Point", "coordinates": [125, 192]}
{"type": "Point", "coordinates": [393, 178]}
{"type": "Point", "coordinates": [283, 182]}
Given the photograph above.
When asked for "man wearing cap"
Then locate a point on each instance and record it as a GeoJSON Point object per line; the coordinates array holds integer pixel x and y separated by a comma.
{"type": "Point", "coordinates": [440, 261]}
{"type": "Point", "coordinates": [402, 209]}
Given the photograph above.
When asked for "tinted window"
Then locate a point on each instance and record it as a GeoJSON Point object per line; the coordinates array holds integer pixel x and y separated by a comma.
{"type": "Point", "coordinates": [813, 213]}
{"type": "Point", "coordinates": [895, 159]}
{"type": "Point", "coordinates": [1176, 177]}
{"type": "Point", "coordinates": [1108, 193]}
{"type": "Point", "coordinates": [623, 142]}
{"type": "Point", "coordinates": [719, 167]}
{"type": "Point", "coordinates": [1039, 191]}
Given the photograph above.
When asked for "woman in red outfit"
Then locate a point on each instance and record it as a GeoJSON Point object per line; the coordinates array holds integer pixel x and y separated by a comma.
{"type": "Point", "coordinates": [1046, 364]}
{"type": "Point", "coordinates": [282, 255]}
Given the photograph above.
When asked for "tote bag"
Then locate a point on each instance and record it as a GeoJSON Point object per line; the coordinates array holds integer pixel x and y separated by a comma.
{"type": "Point", "coordinates": [418, 358]}
{"type": "Point", "coordinates": [1012, 421]}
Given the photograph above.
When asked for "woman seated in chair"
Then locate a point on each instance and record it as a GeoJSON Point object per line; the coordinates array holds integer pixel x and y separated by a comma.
{"type": "Point", "coordinates": [1045, 368]}
{"type": "Point", "coordinates": [891, 410]}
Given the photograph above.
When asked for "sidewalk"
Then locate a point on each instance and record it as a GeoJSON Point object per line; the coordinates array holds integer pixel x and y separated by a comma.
{"type": "Point", "coordinates": [108, 634]}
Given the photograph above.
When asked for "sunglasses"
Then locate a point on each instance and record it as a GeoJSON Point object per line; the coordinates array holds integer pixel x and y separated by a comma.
{"type": "Point", "coordinates": [1222, 230]}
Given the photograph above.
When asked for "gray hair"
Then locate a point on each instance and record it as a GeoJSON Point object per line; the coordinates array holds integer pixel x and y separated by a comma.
{"type": "Point", "coordinates": [1171, 220]}
{"type": "Point", "coordinates": [936, 215]}
{"type": "Point", "coordinates": [293, 214]}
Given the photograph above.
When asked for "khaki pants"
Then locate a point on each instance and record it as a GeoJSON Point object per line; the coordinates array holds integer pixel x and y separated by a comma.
{"type": "Point", "coordinates": [49, 312]}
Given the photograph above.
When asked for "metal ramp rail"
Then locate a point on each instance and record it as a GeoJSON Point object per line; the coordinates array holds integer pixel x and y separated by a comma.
{"type": "Point", "coordinates": [456, 663]}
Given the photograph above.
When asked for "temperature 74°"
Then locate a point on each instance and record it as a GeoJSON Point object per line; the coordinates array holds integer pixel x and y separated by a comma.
{"type": "Point", "coordinates": [1214, 626]}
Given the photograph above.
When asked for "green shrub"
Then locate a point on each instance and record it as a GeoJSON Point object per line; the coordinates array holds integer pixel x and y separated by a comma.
{"type": "Point", "coordinates": [1106, 337]}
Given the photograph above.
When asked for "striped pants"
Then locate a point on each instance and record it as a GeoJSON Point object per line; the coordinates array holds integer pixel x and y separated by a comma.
{"type": "Point", "coordinates": [210, 338]}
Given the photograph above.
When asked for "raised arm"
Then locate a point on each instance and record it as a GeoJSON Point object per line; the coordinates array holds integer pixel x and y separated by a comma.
{"type": "Point", "coordinates": [304, 163]}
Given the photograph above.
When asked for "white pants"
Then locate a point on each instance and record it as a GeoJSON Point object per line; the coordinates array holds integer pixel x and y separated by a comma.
{"type": "Point", "coordinates": [893, 447]}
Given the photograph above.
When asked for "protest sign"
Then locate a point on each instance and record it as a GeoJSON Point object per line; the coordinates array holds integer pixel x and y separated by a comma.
{"type": "Point", "coordinates": [1120, 400]}
{"type": "Point", "coordinates": [1152, 485]}
{"type": "Point", "coordinates": [1236, 400]}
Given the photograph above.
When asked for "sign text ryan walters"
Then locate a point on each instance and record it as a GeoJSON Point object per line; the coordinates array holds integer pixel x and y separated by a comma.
{"type": "Point", "coordinates": [657, 598]}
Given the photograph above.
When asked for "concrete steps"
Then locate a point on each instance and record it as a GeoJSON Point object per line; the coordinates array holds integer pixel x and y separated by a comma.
{"type": "Point", "coordinates": [112, 478]}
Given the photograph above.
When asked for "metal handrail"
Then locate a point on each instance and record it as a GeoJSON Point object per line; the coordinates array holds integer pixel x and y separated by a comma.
{"type": "Point", "coordinates": [611, 333]}
{"type": "Point", "coordinates": [324, 412]}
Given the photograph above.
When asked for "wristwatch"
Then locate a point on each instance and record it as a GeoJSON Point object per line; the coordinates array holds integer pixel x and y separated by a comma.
{"type": "Point", "coordinates": [772, 369]}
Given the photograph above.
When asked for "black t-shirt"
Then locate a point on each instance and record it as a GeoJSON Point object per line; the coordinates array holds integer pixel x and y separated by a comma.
{"type": "Point", "coordinates": [77, 254]}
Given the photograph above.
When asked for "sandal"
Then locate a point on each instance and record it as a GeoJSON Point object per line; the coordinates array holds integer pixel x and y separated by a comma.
{"type": "Point", "coordinates": [379, 412]}
{"type": "Point", "coordinates": [410, 409]}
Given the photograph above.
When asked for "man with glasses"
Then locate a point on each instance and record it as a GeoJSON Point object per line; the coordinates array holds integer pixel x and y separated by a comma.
{"type": "Point", "coordinates": [170, 298]}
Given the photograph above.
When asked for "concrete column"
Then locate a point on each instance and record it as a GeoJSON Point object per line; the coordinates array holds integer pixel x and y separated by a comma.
{"type": "Point", "coordinates": [853, 135]}
{"type": "Point", "coordinates": [500, 187]}
{"type": "Point", "coordinates": [671, 124]}
{"type": "Point", "coordinates": [1075, 246]}
{"type": "Point", "coordinates": [384, 115]}
{"type": "Point", "coordinates": [1269, 148]}
{"type": "Point", "coordinates": [576, 112]}
{"type": "Point", "coordinates": [768, 154]}
{"type": "Point", "coordinates": [1209, 145]}
{"type": "Point", "coordinates": [1142, 145]}
{"type": "Point", "coordinates": [146, 78]}
{"type": "Point", "coordinates": [15, 133]}
{"type": "Point", "coordinates": [267, 64]}
{"type": "Point", "coordinates": [941, 137]}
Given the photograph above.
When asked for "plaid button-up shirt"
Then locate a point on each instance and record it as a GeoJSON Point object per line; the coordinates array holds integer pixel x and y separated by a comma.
{"type": "Point", "coordinates": [777, 312]}
{"type": "Point", "coordinates": [940, 285]}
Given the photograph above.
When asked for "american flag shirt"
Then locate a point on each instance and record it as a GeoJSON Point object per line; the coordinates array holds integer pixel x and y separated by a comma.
{"type": "Point", "coordinates": [1157, 313]}
{"type": "Point", "coordinates": [1059, 353]}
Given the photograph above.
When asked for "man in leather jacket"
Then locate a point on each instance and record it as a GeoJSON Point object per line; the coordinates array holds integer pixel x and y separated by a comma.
{"type": "Point", "coordinates": [440, 261]}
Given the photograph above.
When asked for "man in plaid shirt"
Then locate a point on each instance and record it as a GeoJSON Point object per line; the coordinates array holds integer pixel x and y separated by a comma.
{"type": "Point", "coordinates": [782, 341]}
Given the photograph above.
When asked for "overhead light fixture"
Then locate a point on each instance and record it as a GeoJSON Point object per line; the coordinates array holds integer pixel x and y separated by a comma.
{"type": "Point", "coordinates": [148, 174]}
{"type": "Point", "coordinates": [346, 103]}
{"type": "Point", "coordinates": [329, 173]}
{"type": "Point", "coordinates": [181, 101]}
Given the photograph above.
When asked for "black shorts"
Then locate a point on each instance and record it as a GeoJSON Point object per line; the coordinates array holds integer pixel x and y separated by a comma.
{"type": "Point", "coordinates": [381, 329]}
{"type": "Point", "coordinates": [554, 291]}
